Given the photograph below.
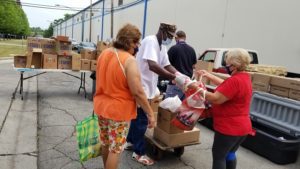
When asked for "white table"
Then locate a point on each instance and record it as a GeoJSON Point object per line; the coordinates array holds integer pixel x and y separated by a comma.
{"type": "Point", "coordinates": [43, 71]}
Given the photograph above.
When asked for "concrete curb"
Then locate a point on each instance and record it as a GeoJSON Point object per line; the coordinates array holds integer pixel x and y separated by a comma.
{"type": "Point", "coordinates": [6, 58]}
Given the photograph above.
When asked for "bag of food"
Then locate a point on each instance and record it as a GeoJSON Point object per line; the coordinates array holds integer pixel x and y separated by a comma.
{"type": "Point", "coordinates": [191, 108]}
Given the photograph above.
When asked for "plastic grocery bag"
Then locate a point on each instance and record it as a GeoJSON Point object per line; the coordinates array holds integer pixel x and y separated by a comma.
{"type": "Point", "coordinates": [191, 108]}
{"type": "Point", "coordinates": [171, 103]}
{"type": "Point", "coordinates": [88, 139]}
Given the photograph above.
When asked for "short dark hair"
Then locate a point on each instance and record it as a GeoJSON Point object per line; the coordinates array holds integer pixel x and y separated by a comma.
{"type": "Point", "coordinates": [126, 35]}
{"type": "Point", "coordinates": [180, 34]}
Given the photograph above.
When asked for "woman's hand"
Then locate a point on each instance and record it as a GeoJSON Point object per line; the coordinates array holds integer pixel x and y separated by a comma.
{"type": "Point", "coordinates": [151, 121]}
{"type": "Point", "coordinates": [202, 73]}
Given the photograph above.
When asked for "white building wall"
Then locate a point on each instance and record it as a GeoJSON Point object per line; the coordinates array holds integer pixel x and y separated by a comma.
{"type": "Point", "coordinates": [267, 26]}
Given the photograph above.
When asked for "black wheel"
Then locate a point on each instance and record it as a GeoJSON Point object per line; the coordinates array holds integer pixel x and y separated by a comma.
{"type": "Point", "coordinates": [179, 151]}
{"type": "Point", "coordinates": [157, 153]}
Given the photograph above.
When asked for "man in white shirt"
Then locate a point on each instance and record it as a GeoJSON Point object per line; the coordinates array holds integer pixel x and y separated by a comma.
{"type": "Point", "coordinates": [152, 59]}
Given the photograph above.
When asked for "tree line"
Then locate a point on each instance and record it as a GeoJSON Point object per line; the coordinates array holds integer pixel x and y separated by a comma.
{"type": "Point", "coordinates": [13, 20]}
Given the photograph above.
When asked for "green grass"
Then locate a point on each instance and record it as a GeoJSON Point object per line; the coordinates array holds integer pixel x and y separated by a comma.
{"type": "Point", "coordinates": [13, 48]}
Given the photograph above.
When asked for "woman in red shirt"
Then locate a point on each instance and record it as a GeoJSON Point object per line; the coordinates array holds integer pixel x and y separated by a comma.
{"type": "Point", "coordinates": [230, 108]}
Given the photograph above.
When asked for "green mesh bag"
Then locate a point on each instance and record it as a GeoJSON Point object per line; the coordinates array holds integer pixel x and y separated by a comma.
{"type": "Point", "coordinates": [88, 139]}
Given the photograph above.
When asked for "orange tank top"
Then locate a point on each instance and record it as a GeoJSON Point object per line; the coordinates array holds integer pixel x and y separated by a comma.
{"type": "Point", "coordinates": [113, 99]}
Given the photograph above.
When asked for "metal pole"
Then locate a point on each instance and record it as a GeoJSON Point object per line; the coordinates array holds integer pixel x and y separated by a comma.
{"type": "Point", "coordinates": [72, 26]}
{"type": "Point", "coordinates": [91, 22]}
{"type": "Point", "coordinates": [112, 20]}
{"type": "Point", "coordinates": [102, 21]}
{"type": "Point", "coordinates": [145, 17]}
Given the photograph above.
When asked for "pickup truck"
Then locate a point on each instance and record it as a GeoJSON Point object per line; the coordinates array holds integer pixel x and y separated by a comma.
{"type": "Point", "coordinates": [217, 56]}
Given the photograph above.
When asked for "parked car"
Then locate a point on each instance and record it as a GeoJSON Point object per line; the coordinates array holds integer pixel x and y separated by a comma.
{"type": "Point", "coordinates": [86, 45]}
{"type": "Point", "coordinates": [74, 44]}
{"type": "Point", "coordinates": [217, 56]}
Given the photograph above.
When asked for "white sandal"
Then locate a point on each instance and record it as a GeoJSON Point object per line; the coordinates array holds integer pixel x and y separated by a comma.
{"type": "Point", "coordinates": [144, 159]}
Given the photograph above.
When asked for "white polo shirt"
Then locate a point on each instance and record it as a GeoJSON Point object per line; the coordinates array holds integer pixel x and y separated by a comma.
{"type": "Point", "coordinates": [150, 50]}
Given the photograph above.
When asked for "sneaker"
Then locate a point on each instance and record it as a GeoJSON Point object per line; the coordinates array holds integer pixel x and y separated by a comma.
{"type": "Point", "coordinates": [144, 159]}
{"type": "Point", "coordinates": [128, 146]}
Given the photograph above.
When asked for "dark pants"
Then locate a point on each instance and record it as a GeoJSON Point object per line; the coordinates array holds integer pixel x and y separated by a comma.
{"type": "Point", "coordinates": [223, 150]}
{"type": "Point", "coordinates": [137, 131]}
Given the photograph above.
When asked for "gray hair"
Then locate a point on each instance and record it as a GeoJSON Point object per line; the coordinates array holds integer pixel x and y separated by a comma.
{"type": "Point", "coordinates": [239, 58]}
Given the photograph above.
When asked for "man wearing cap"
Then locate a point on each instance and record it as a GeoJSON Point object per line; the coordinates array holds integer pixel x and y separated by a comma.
{"type": "Point", "coordinates": [183, 57]}
{"type": "Point", "coordinates": [152, 59]}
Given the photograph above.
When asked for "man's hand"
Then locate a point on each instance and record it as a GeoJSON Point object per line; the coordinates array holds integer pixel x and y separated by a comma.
{"type": "Point", "coordinates": [183, 81]}
{"type": "Point", "coordinates": [180, 79]}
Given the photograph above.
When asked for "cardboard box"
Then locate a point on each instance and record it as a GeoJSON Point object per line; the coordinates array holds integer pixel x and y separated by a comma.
{"type": "Point", "coordinates": [93, 65]}
{"type": "Point", "coordinates": [279, 91]}
{"type": "Point", "coordinates": [33, 42]}
{"type": "Point", "coordinates": [294, 94]}
{"type": "Point", "coordinates": [20, 61]}
{"type": "Point", "coordinates": [155, 116]}
{"type": "Point", "coordinates": [267, 69]}
{"type": "Point", "coordinates": [292, 83]}
{"type": "Point", "coordinates": [102, 46]}
{"type": "Point", "coordinates": [62, 38]}
{"type": "Point", "coordinates": [184, 138]}
{"type": "Point", "coordinates": [164, 119]}
{"type": "Point", "coordinates": [204, 65]}
{"type": "Point", "coordinates": [63, 48]}
{"type": "Point", "coordinates": [155, 102]}
{"type": "Point", "coordinates": [48, 46]}
{"type": "Point", "coordinates": [34, 58]}
{"type": "Point", "coordinates": [88, 54]}
{"type": "Point", "coordinates": [85, 64]}
{"type": "Point", "coordinates": [261, 82]}
{"type": "Point", "coordinates": [49, 61]}
{"type": "Point", "coordinates": [64, 62]}
{"type": "Point", "coordinates": [258, 86]}
{"type": "Point", "coordinates": [76, 61]}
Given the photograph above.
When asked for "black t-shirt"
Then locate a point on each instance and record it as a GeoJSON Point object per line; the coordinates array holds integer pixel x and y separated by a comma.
{"type": "Point", "coordinates": [182, 56]}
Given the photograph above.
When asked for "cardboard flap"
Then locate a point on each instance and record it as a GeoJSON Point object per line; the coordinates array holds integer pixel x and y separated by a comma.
{"type": "Point", "coordinates": [37, 50]}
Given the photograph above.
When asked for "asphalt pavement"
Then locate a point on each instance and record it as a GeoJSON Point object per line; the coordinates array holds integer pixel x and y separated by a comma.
{"type": "Point", "coordinates": [39, 132]}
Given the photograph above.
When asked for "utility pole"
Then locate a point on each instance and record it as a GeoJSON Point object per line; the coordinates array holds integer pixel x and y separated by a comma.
{"type": "Point", "coordinates": [112, 20]}
{"type": "Point", "coordinates": [91, 22]}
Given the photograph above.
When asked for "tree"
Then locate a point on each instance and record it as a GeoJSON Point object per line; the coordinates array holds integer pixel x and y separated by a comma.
{"type": "Point", "coordinates": [13, 20]}
{"type": "Point", "coordinates": [67, 16]}
{"type": "Point", "coordinates": [36, 31]}
{"type": "Point", "coordinates": [49, 32]}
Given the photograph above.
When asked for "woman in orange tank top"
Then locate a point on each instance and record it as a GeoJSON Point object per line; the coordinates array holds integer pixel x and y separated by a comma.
{"type": "Point", "coordinates": [118, 91]}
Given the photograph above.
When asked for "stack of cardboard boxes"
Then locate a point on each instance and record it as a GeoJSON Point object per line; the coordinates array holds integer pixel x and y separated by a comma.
{"type": "Point", "coordinates": [267, 69]}
{"type": "Point", "coordinates": [277, 85]}
{"type": "Point", "coordinates": [170, 135]}
{"type": "Point", "coordinates": [89, 57]}
{"type": "Point", "coordinates": [45, 53]}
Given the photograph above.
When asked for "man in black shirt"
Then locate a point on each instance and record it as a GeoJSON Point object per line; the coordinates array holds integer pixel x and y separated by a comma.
{"type": "Point", "coordinates": [183, 57]}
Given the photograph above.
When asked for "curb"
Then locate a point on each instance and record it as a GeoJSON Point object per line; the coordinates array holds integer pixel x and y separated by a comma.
{"type": "Point", "coordinates": [6, 58]}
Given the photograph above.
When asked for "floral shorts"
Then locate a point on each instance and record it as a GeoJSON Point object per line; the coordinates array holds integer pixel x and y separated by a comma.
{"type": "Point", "coordinates": [113, 134]}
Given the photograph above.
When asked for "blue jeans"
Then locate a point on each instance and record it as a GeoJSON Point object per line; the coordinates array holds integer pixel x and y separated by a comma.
{"type": "Point", "coordinates": [137, 132]}
{"type": "Point", "coordinates": [173, 90]}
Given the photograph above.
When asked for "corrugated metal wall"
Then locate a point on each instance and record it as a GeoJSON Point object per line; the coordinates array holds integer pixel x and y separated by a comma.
{"type": "Point", "coordinates": [267, 26]}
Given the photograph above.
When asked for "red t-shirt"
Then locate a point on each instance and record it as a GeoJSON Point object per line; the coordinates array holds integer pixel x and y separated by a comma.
{"type": "Point", "coordinates": [232, 117]}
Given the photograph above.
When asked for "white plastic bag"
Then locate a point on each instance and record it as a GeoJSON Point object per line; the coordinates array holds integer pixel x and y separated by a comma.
{"type": "Point", "coordinates": [171, 103]}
